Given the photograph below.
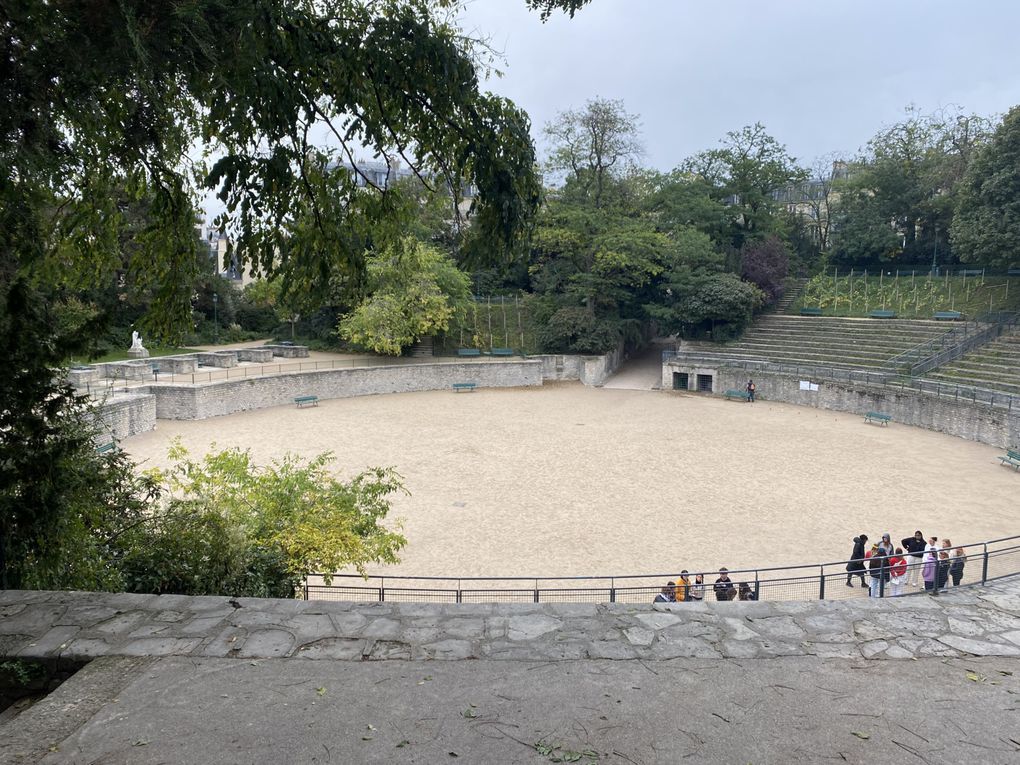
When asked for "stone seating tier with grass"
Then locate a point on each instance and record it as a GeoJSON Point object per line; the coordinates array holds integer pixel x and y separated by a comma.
{"type": "Point", "coordinates": [994, 366]}
{"type": "Point", "coordinates": [826, 341]}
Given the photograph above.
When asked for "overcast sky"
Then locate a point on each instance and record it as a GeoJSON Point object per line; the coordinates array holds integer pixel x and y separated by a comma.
{"type": "Point", "coordinates": [822, 75]}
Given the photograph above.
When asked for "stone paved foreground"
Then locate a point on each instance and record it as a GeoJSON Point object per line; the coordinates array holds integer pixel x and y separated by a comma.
{"type": "Point", "coordinates": [77, 627]}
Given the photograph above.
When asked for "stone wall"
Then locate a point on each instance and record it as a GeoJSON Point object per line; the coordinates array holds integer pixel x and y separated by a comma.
{"type": "Point", "coordinates": [559, 366]}
{"type": "Point", "coordinates": [196, 402]}
{"type": "Point", "coordinates": [975, 422]}
{"type": "Point", "coordinates": [595, 369]}
{"type": "Point", "coordinates": [129, 416]}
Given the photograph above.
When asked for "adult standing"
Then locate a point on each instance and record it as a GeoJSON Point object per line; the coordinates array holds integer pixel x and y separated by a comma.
{"type": "Point", "coordinates": [879, 570]}
{"type": "Point", "coordinates": [750, 391]}
{"type": "Point", "coordinates": [886, 545]}
{"type": "Point", "coordinates": [914, 548]}
{"type": "Point", "coordinates": [956, 566]}
{"type": "Point", "coordinates": [856, 565]}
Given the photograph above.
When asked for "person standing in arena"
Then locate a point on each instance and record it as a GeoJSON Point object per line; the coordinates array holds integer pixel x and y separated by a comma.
{"type": "Point", "coordinates": [914, 548]}
{"type": "Point", "coordinates": [750, 391]}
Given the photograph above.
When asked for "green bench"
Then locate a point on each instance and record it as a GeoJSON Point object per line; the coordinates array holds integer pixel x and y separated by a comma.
{"type": "Point", "coordinates": [107, 448]}
{"type": "Point", "coordinates": [734, 393]}
{"type": "Point", "coordinates": [306, 401]}
{"type": "Point", "coordinates": [882, 419]}
{"type": "Point", "coordinates": [1011, 458]}
{"type": "Point", "coordinates": [810, 311]}
{"type": "Point", "coordinates": [948, 316]}
{"type": "Point", "coordinates": [502, 352]}
{"type": "Point", "coordinates": [882, 314]}
{"type": "Point", "coordinates": [971, 272]}
{"type": "Point", "coordinates": [458, 387]}
{"type": "Point", "coordinates": [468, 352]}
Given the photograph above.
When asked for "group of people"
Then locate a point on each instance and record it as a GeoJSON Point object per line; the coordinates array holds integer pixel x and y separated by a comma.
{"type": "Point", "coordinates": [883, 568]}
{"type": "Point", "coordinates": [685, 590]}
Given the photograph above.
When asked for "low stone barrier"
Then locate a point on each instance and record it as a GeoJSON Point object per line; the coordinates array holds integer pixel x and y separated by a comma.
{"type": "Point", "coordinates": [257, 355]}
{"type": "Point", "coordinates": [222, 359]}
{"type": "Point", "coordinates": [289, 351]}
{"type": "Point", "coordinates": [177, 364]}
{"type": "Point", "coordinates": [975, 422]}
{"type": "Point", "coordinates": [199, 401]}
{"type": "Point", "coordinates": [81, 378]}
{"type": "Point", "coordinates": [127, 370]}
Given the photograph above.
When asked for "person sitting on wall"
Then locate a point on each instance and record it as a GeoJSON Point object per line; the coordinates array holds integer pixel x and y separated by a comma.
{"type": "Point", "coordinates": [667, 594]}
{"type": "Point", "coordinates": [724, 589]}
{"type": "Point", "coordinates": [696, 592]}
{"type": "Point", "coordinates": [683, 587]}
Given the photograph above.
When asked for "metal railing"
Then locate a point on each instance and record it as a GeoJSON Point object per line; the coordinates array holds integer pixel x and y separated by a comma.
{"type": "Point", "coordinates": [984, 562]}
{"type": "Point", "coordinates": [938, 388]}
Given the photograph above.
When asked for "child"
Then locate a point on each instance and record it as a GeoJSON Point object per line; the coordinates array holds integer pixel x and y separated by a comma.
{"type": "Point", "coordinates": [696, 592]}
{"type": "Point", "coordinates": [943, 570]}
{"type": "Point", "coordinates": [897, 572]}
{"type": "Point", "coordinates": [928, 572]}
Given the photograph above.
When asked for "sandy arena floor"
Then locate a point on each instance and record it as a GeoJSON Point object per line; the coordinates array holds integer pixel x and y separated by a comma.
{"type": "Point", "coordinates": [566, 480]}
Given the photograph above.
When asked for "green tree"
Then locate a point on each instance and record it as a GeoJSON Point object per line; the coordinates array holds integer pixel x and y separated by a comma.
{"type": "Point", "coordinates": [296, 510]}
{"type": "Point", "coordinates": [593, 145]}
{"type": "Point", "coordinates": [414, 291]}
{"type": "Point", "coordinates": [986, 228]}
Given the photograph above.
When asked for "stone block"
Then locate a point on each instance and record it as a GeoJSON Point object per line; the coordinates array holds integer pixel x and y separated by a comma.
{"type": "Point", "coordinates": [336, 648]}
{"type": "Point", "coordinates": [220, 359]}
{"type": "Point", "coordinates": [267, 644]}
{"type": "Point", "coordinates": [256, 355]}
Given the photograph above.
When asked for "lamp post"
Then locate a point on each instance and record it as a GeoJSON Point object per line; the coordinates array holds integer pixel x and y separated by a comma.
{"type": "Point", "coordinates": [216, 318]}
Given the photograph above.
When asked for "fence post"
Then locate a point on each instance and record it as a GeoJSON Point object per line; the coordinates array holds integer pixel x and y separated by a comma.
{"type": "Point", "coordinates": [306, 588]}
{"type": "Point", "coordinates": [459, 595]}
{"type": "Point", "coordinates": [821, 582]}
{"type": "Point", "coordinates": [984, 565]}
{"type": "Point", "coordinates": [612, 590]}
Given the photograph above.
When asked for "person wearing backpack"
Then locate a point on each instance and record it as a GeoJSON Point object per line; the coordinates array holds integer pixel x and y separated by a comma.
{"type": "Point", "coordinates": [750, 391]}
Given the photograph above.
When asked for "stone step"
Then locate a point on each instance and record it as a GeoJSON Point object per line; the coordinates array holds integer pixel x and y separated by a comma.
{"type": "Point", "coordinates": [975, 382]}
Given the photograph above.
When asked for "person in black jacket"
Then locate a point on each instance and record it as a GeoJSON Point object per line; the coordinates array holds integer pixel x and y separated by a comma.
{"type": "Point", "coordinates": [856, 565]}
{"type": "Point", "coordinates": [879, 569]}
{"type": "Point", "coordinates": [914, 548]}
{"type": "Point", "coordinates": [942, 575]}
{"type": "Point", "coordinates": [724, 589]}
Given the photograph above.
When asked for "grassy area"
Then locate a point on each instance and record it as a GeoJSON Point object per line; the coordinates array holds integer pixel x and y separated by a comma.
{"type": "Point", "coordinates": [119, 355]}
{"type": "Point", "coordinates": [910, 296]}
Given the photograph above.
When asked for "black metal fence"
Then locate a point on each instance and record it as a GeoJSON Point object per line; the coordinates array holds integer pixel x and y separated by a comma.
{"type": "Point", "coordinates": [982, 562]}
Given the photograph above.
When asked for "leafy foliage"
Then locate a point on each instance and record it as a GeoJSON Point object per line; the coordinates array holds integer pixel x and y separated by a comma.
{"type": "Point", "coordinates": [766, 264]}
{"type": "Point", "coordinates": [986, 228]}
{"type": "Point", "coordinates": [415, 290]}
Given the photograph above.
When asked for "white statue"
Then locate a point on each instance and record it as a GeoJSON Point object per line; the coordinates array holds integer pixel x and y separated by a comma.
{"type": "Point", "coordinates": [136, 341]}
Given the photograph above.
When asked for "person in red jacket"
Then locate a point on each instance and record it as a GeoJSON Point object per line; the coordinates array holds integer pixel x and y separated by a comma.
{"type": "Point", "coordinates": [897, 572]}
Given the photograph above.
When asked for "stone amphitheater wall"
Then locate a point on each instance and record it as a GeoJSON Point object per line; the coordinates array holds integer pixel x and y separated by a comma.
{"type": "Point", "coordinates": [974, 422]}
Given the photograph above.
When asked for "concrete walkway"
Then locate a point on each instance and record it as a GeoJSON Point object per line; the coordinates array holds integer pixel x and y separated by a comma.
{"type": "Point", "coordinates": [218, 680]}
{"type": "Point", "coordinates": [640, 372]}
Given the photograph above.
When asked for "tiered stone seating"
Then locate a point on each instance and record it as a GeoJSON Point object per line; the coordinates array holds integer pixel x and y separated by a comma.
{"type": "Point", "coordinates": [995, 366]}
{"type": "Point", "coordinates": [855, 343]}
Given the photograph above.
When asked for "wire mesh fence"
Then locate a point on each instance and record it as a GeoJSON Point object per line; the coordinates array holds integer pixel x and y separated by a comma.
{"type": "Point", "coordinates": [937, 568]}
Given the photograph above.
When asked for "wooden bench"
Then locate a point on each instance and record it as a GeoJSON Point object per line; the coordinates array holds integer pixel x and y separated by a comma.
{"type": "Point", "coordinates": [468, 352]}
{"type": "Point", "coordinates": [882, 419]}
{"type": "Point", "coordinates": [882, 314]}
{"type": "Point", "coordinates": [947, 316]}
{"type": "Point", "coordinates": [502, 352]}
{"type": "Point", "coordinates": [107, 448]}
{"type": "Point", "coordinates": [811, 311]}
{"type": "Point", "coordinates": [458, 387]}
{"type": "Point", "coordinates": [306, 401]}
{"type": "Point", "coordinates": [734, 393]}
{"type": "Point", "coordinates": [1011, 458]}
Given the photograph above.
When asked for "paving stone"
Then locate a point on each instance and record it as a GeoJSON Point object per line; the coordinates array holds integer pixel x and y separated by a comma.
{"type": "Point", "coordinates": [979, 647]}
{"type": "Point", "coordinates": [170, 616]}
{"type": "Point", "coordinates": [250, 617]}
{"type": "Point", "coordinates": [158, 646]}
{"type": "Point", "coordinates": [782, 648]}
{"type": "Point", "coordinates": [464, 628]}
{"type": "Point", "coordinates": [738, 629]}
{"type": "Point", "coordinates": [34, 619]}
{"type": "Point", "coordinates": [420, 635]}
{"type": "Point", "coordinates": [10, 645]}
{"type": "Point", "coordinates": [872, 648]}
{"type": "Point", "coordinates": [122, 623]}
{"type": "Point", "coordinates": [336, 648]}
{"type": "Point", "coordinates": [572, 609]}
{"type": "Point", "coordinates": [658, 619]}
{"type": "Point", "coordinates": [148, 630]}
{"type": "Point", "coordinates": [267, 644]}
{"type": "Point", "coordinates": [382, 628]}
{"type": "Point", "coordinates": [449, 650]}
{"type": "Point", "coordinates": [779, 626]}
{"type": "Point", "coordinates": [6, 612]}
{"type": "Point", "coordinates": [379, 650]}
{"type": "Point", "coordinates": [739, 649]}
{"type": "Point", "coordinates": [865, 630]}
{"type": "Point", "coordinates": [310, 626]}
{"type": "Point", "coordinates": [51, 643]}
{"type": "Point", "coordinates": [898, 652]}
{"type": "Point", "coordinates": [639, 636]}
{"type": "Point", "coordinates": [200, 625]}
{"type": "Point", "coordinates": [228, 642]}
{"type": "Point", "coordinates": [926, 647]}
{"type": "Point", "coordinates": [529, 627]}
{"type": "Point", "coordinates": [1012, 637]}
{"type": "Point", "coordinates": [965, 627]}
{"type": "Point", "coordinates": [913, 622]}
{"type": "Point", "coordinates": [496, 627]}
{"type": "Point", "coordinates": [684, 647]}
{"type": "Point", "coordinates": [692, 629]}
{"type": "Point", "coordinates": [83, 649]}
{"type": "Point", "coordinates": [81, 615]}
{"type": "Point", "coordinates": [349, 624]}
